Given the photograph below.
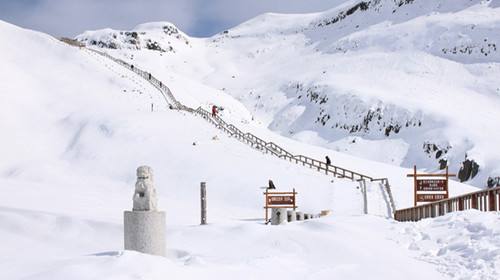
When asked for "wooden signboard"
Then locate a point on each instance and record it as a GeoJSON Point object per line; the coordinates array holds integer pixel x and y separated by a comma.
{"type": "Point", "coordinates": [431, 185]}
{"type": "Point", "coordinates": [430, 188]}
{"type": "Point", "coordinates": [430, 197]}
{"type": "Point", "coordinates": [280, 200]}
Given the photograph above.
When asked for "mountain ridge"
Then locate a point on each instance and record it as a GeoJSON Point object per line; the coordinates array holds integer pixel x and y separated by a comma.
{"type": "Point", "coordinates": [376, 70]}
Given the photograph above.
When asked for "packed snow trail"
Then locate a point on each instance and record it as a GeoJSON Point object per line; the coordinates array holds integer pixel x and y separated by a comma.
{"type": "Point", "coordinates": [268, 147]}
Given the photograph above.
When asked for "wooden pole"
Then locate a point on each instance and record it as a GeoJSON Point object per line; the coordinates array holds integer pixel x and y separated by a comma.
{"type": "Point", "coordinates": [266, 219]}
{"type": "Point", "coordinates": [203, 198]}
{"type": "Point", "coordinates": [446, 195]}
{"type": "Point", "coordinates": [415, 185]}
{"type": "Point", "coordinates": [294, 199]}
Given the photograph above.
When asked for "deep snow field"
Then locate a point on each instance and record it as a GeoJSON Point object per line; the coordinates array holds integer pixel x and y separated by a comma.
{"type": "Point", "coordinates": [384, 83]}
{"type": "Point", "coordinates": [78, 125]}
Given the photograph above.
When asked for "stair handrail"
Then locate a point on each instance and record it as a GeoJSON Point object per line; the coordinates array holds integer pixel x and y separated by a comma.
{"type": "Point", "coordinates": [249, 138]}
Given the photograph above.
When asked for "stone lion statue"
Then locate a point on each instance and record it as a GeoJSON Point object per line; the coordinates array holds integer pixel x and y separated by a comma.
{"type": "Point", "coordinates": [145, 193]}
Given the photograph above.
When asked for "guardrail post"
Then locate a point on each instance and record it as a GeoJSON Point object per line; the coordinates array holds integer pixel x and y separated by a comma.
{"type": "Point", "coordinates": [492, 201]}
{"type": "Point", "coordinates": [474, 201]}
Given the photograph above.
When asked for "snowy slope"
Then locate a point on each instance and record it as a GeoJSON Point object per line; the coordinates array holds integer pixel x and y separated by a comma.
{"type": "Point", "coordinates": [79, 126]}
{"type": "Point", "coordinates": [401, 82]}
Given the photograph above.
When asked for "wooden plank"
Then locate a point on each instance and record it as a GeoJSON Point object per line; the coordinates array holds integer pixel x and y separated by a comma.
{"type": "Point", "coordinates": [430, 175]}
{"type": "Point", "coordinates": [415, 185]}
{"type": "Point", "coordinates": [272, 193]}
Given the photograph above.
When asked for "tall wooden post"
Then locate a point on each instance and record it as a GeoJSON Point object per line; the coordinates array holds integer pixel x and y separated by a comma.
{"type": "Point", "coordinates": [203, 198]}
{"type": "Point", "coordinates": [492, 203]}
{"type": "Point", "coordinates": [446, 196]}
{"type": "Point", "coordinates": [294, 205]}
{"type": "Point", "coordinates": [414, 185]}
{"type": "Point", "coordinates": [266, 207]}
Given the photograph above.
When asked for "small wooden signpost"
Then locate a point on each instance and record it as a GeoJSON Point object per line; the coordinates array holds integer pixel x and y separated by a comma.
{"type": "Point", "coordinates": [427, 189]}
{"type": "Point", "coordinates": [279, 200]}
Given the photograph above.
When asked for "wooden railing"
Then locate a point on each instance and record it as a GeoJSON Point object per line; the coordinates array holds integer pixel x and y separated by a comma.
{"type": "Point", "coordinates": [485, 200]}
{"type": "Point", "coordinates": [251, 139]}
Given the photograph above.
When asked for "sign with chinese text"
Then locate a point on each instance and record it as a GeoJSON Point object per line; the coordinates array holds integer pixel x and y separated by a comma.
{"type": "Point", "coordinates": [431, 185]}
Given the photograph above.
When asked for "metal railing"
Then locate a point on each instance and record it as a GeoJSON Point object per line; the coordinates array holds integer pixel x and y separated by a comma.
{"type": "Point", "coordinates": [249, 138]}
{"type": "Point", "coordinates": [485, 200]}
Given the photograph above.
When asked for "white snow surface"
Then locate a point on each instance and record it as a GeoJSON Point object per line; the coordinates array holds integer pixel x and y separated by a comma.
{"type": "Point", "coordinates": [78, 125]}
{"type": "Point", "coordinates": [421, 71]}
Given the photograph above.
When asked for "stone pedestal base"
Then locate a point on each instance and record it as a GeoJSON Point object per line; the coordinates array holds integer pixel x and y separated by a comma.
{"type": "Point", "coordinates": [145, 232]}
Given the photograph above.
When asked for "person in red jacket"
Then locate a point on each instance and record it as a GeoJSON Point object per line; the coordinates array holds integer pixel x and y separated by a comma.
{"type": "Point", "coordinates": [214, 111]}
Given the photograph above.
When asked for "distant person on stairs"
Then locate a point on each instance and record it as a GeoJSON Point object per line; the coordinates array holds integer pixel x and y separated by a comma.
{"type": "Point", "coordinates": [271, 185]}
{"type": "Point", "coordinates": [328, 161]}
{"type": "Point", "coordinates": [214, 111]}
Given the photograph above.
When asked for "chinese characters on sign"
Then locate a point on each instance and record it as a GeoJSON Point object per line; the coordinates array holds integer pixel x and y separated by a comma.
{"type": "Point", "coordinates": [429, 185]}
{"type": "Point", "coordinates": [430, 197]}
{"type": "Point", "coordinates": [281, 200]}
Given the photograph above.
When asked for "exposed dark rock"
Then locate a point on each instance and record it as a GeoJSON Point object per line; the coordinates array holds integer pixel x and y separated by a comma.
{"type": "Point", "coordinates": [385, 119]}
{"type": "Point", "coordinates": [438, 150]}
{"type": "Point", "coordinates": [154, 46]}
{"type": "Point", "coordinates": [439, 154]}
{"type": "Point", "coordinates": [442, 164]}
{"type": "Point", "coordinates": [468, 170]}
{"type": "Point", "coordinates": [132, 34]}
{"type": "Point", "coordinates": [493, 182]}
{"type": "Point", "coordinates": [403, 2]}
{"type": "Point", "coordinates": [362, 6]}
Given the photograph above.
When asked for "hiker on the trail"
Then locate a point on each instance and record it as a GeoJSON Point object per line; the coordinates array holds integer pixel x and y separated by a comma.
{"type": "Point", "coordinates": [214, 111]}
{"type": "Point", "coordinates": [271, 185]}
{"type": "Point", "coordinates": [328, 161]}
{"type": "Point", "coordinates": [149, 76]}
{"type": "Point", "coordinates": [161, 84]}
{"type": "Point", "coordinates": [132, 66]}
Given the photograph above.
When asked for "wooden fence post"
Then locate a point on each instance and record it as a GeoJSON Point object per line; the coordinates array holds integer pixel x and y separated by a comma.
{"type": "Point", "coordinates": [203, 197]}
{"type": "Point", "coordinates": [492, 201]}
{"type": "Point", "coordinates": [474, 201]}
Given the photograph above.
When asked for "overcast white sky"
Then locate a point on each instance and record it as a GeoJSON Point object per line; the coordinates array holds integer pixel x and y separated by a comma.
{"type": "Point", "coordinates": [195, 17]}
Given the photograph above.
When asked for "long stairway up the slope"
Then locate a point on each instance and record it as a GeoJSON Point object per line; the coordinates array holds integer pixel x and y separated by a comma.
{"type": "Point", "coordinates": [254, 141]}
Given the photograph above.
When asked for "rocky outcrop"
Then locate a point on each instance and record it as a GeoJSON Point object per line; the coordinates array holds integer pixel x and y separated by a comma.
{"type": "Point", "coordinates": [438, 152]}
{"type": "Point", "coordinates": [161, 37]}
{"type": "Point", "coordinates": [350, 114]}
{"type": "Point", "coordinates": [493, 182]}
{"type": "Point", "coordinates": [468, 170]}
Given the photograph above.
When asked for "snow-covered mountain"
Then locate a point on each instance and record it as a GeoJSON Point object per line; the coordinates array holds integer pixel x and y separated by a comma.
{"type": "Point", "coordinates": [401, 82]}
{"type": "Point", "coordinates": [158, 36]}
{"type": "Point", "coordinates": [76, 125]}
